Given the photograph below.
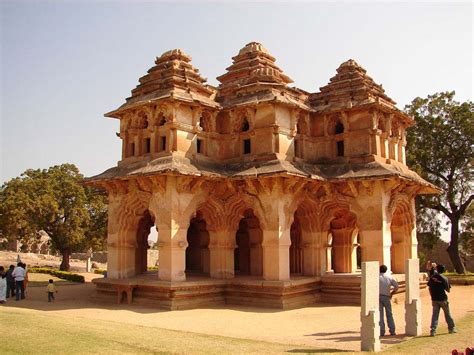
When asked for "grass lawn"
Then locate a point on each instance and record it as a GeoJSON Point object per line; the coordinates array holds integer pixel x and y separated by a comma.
{"type": "Point", "coordinates": [36, 280]}
{"type": "Point", "coordinates": [43, 333]}
{"type": "Point", "coordinates": [443, 342]}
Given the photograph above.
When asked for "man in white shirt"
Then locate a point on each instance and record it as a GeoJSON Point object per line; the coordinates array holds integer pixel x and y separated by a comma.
{"type": "Point", "coordinates": [19, 275]}
{"type": "Point", "coordinates": [386, 283]}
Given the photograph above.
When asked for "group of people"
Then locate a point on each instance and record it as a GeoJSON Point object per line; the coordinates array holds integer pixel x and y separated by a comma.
{"type": "Point", "coordinates": [13, 282]}
{"type": "Point", "coordinates": [438, 286]}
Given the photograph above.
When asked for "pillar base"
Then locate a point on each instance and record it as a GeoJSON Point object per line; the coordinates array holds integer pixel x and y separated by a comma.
{"type": "Point", "coordinates": [370, 332]}
{"type": "Point", "coordinates": [413, 318]}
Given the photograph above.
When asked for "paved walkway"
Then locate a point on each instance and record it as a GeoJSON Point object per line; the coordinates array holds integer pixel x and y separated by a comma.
{"type": "Point", "coordinates": [321, 326]}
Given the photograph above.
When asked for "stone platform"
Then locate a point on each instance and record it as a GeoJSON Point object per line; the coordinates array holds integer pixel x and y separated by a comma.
{"type": "Point", "coordinates": [200, 291]}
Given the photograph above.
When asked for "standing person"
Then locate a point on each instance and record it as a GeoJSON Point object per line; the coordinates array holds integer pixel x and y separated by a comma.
{"type": "Point", "coordinates": [51, 290]}
{"type": "Point", "coordinates": [439, 285]}
{"type": "Point", "coordinates": [3, 285]}
{"type": "Point", "coordinates": [25, 281]}
{"type": "Point", "coordinates": [19, 275]}
{"type": "Point", "coordinates": [10, 282]}
{"type": "Point", "coordinates": [386, 283]}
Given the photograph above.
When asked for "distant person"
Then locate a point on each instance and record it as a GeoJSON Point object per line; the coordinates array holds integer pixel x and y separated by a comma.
{"type": "Point", "coordinates": [19, 275]}
{"type": "Point", "coordinates": [439, 285]}
{"type": "Point", "coordinates": [51, 290]}
{"type": "Point", "coordinates": [3, 285]}
{"type": "Point", "coordinates": [10, 282]}
{"type": "Point", "coordinates": [386, 283]}
{"type": "Point", "coordinates": [25, 281]}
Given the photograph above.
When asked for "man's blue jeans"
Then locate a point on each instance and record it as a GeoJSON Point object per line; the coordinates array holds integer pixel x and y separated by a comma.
{"type": "Point", "coordinates": [437, 305]}
{"type": "Point", "coordinates": [20, 289]}
{"type": "Point", "coordinates": [384, 303]}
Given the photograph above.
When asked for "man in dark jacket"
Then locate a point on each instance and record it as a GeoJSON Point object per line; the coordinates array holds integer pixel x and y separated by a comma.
{"type": "Point", "coordinates": [439, 285]}
{"type": "Point", "coordinates": [10, 282]}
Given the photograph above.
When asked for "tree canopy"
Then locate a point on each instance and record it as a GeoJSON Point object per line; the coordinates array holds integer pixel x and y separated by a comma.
{"type": "Point", "coordinates": [54, 200]}
{"type": "Point", "coordinates": [440, 149]}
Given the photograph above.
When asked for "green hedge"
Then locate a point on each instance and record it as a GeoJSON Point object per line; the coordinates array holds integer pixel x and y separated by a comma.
{"type": "Point", "coordinates": [100, 271]}
{"type": "Point", "coordinates": [66, 275]}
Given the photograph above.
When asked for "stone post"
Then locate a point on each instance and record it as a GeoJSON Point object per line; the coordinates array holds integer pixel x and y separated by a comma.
{"type": "Point", "coordinates": [88, 265]}
{"type": "Point", "coordinates": [412, 298]}
{"type": "Point", "coordinates": [221, 249]}
{"type": "Point", "coordinates": [369, 315]}
{"type": "Point", "coordinates": [172, 250]}
{"type": "Point", "coordinates": [276, 255]}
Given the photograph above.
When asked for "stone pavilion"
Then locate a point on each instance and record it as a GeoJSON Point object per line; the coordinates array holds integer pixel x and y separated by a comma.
{"type": "Point", "coordinates": [262, 194]}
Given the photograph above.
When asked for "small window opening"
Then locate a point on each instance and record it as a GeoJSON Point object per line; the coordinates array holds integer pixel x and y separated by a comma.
{"type": "Point", "coordinates": [245, 126]}
{"type": "Point", "coordinates": [339, 128]}
{"type": "Point", "coordinates": [132, 149]}
{"type": "Point", "coordinates": [163, 143]}
{"type": "Point", "coordinates": [199, 146]}
{"type": "Point", "coordinates": [340, 148]}
{"type": "Point", "coordinates": [147, 145]}
{"type": "Point", "coordinates": [162, 122]}
{"type": "Point", "coordinates": [297, 153]}
{"type": "Point", "coordinates": [246, 146]}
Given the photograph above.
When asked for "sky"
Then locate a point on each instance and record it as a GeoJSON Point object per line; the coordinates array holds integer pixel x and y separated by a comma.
{"type": "Point", "coordinates": [66, 63]}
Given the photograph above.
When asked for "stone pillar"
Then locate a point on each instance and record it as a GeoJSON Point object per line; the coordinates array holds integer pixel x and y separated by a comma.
{"type": "Point", "coordinates": [221, 248]}
{"type": "Point", "coordinates": [412, 298]}
{"type": "Point", "coordinates": [376, 246]}
{"type": "Point", "coordinates": [369, 315]}
{"type": "Point", "coordinates": [121, 252]}
{"type": "Point", "coordinates": [343, 246]}
{"type": "Point", "coordinates": [172, 249]}
{"type": "Point", "coordinates": [172, 209]}
{"type": "Point", "coordinates": [124, 145]}
{"type": "Point", "coordinates": [276, 254]}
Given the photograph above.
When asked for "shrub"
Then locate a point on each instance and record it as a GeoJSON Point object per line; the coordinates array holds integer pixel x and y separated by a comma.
{"type": "Point", "coordinates": [100, 271]}
{"type": "Point", "coordinates": [65, 275]}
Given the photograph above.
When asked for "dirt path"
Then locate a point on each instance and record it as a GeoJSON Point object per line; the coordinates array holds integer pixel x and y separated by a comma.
{"type": "Point", "coordinates": [321, 326]}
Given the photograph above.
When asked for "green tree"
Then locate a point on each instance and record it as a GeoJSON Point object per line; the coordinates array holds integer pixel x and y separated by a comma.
{"type": "Point", "coordinates": [53, 200]}
{"type": "Point", "coordinates": [467, 234]}
{"type": "Point", "coordinates": [440, 149]}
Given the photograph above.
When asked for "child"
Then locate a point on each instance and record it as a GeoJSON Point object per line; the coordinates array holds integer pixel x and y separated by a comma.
{"type": "Point", "coordinates": [51, 290]}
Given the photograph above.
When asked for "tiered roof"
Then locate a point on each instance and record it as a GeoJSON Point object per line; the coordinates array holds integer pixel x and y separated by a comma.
{"type": "Point", "coordinates": [350, 87]}
{"type": "Point", "coordinates": [254, 76]}
{"type": "Point", "coordinates": [172, 76]}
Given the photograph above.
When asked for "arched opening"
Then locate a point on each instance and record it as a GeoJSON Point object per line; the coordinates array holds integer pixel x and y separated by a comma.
{"type": "Point", "coordinates": [296, 250]}
{"type": "Point", "coordinates": [245, 125]}
{"type": "Point", "coordinates": [142, 120]}
{"type": "Point", "coordinates": [400, 228]}
{"type": "Point", "coordinates": [248, 256]}
{"type": "Point", "coordinates": [197, 252]}
{"type": "Point", "coordinates": [205, 121]}
{"type": "Point", "coordinates": [339, 129]}
{"type": "Point", "coordinates": [141, 252]}
{"type": "Point", "coordinates": [343, 242]}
